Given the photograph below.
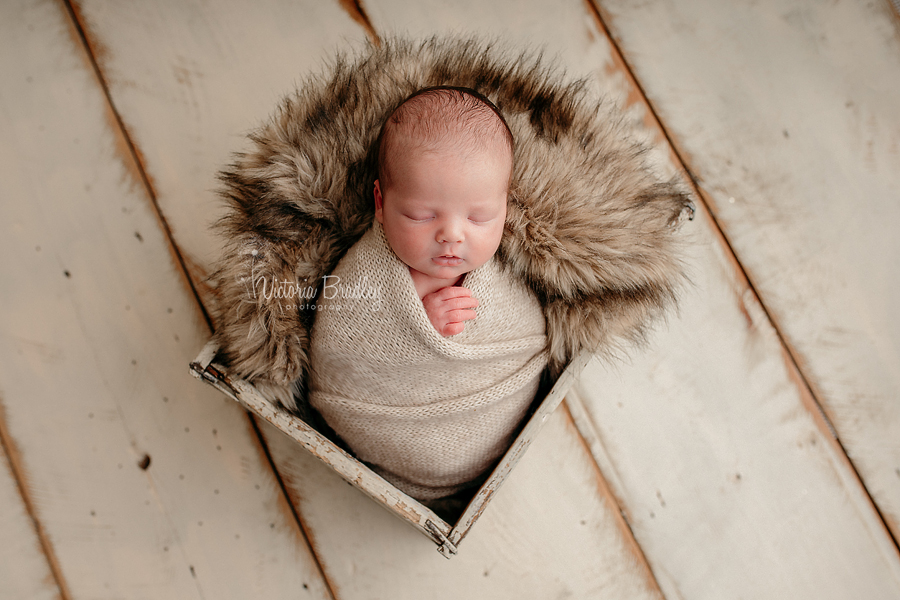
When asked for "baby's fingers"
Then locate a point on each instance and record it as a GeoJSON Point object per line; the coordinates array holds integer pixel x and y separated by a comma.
{"type": "Point", "coordinates": [450, 308]}
{"type": "Point", "coordinates": [451, 292]}
{"type": "Point", "coordinates": [452, 329]}
{"type": "Point", "coordinates": [460, 316]}
{"type": "Point", "coordinates": [448, 299]}
{"type": "Point", "coordinates": [460, 303]}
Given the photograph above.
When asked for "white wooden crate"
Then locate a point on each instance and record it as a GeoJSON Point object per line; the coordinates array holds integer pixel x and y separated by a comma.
{"type": "Point", "coordinates": [446, 535]}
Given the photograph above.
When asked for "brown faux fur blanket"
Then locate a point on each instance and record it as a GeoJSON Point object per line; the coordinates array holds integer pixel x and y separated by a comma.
{"type": "Point", "coordinates": [590, 229]}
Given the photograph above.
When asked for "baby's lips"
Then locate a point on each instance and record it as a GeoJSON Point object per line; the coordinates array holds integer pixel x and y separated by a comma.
{"type": "Point", "coordinates": [447, 261]}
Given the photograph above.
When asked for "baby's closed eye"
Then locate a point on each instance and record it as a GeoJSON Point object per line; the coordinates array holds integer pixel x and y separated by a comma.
{"type": "Point", "coordinates": [481, 218]}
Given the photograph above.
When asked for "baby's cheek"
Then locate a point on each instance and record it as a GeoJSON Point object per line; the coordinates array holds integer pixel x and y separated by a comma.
{"type": "Point", "coordinates": [418, 243]}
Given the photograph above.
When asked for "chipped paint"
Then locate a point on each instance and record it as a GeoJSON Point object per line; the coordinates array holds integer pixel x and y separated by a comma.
{"type": "Point", "coordinates": [350, 469]}
{"type": "Point", "coordinates": [360, 476]}
{"type": "Point", "coordinates": [408, 511]}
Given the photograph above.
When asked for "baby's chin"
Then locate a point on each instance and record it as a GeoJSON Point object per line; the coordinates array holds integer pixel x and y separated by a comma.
{"type": "Point", "coordinates": [449, 275]}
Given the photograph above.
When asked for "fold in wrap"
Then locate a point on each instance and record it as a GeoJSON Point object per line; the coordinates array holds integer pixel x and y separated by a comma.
{"type": "Point", "coordinates": [429, 413]}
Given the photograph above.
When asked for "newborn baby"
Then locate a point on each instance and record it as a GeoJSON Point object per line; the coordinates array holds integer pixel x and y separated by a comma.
{"type": "Point", "coordinates": [426, 354]}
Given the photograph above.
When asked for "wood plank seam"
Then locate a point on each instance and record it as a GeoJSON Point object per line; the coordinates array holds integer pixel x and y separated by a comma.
{"type": "Point", "coordinates": [894, 6]}
{"type": "Point", "coordinates": [78, 24]}
{"type": "Point", "coordinates": [358, 13]}
{"type": "Point", "coordinates": [7, 445]}
{"type": "Point", "coordinates": [791, 358]}
{"type": "Point", "coordinates": [284, 491]}
{"type": "Point", "coordinates": [616, 505]}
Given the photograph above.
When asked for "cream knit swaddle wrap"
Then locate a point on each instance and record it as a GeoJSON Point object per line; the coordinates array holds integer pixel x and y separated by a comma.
{"type": "Point", "coordinates": [429, 413]}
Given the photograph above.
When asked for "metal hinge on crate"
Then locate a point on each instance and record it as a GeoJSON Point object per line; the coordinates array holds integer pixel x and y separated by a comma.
{"type": "Point", "coordinates": [447, 548]}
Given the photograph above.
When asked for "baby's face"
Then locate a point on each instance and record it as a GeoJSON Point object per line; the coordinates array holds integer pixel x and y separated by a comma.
{"type": "Point", "coordinates": [443, 214]}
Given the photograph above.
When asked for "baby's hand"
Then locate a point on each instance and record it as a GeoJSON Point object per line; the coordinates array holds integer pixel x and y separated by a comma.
{"type": "Point", "coordinates": [449, 308]}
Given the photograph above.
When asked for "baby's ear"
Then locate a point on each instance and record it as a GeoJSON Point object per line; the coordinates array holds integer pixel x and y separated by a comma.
{"type": "Point", "coordinates": [379, 203]}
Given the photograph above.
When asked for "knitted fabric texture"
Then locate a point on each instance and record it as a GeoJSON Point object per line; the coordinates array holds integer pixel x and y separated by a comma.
{"type": "Point", "coordinates": [429, 413]}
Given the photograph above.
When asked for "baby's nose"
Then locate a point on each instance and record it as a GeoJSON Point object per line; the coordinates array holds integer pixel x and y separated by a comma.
{"type": "Point", "coordinates": [450, 233]}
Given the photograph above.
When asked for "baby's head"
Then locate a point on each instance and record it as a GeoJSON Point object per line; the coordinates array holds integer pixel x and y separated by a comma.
{"type": "Point", "coordinates": [444, 167]}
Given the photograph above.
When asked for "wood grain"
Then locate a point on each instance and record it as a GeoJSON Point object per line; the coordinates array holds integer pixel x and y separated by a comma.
{"type": "Point", "coordinates": [787, 114]}
{"type": "Point", "coordinates": [145, 484]}
{"type": "Point", "coordinates": [717, 458]}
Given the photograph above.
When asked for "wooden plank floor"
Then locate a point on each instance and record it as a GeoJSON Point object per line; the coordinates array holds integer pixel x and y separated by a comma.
{"type": "Point", "coordinates": [751, 452]}
{"type": "Point", "coordinates": [792, 129]}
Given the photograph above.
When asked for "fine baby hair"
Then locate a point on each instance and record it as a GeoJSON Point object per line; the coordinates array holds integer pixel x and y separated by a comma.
{"type": "Point", "coordinates": [441, 117]}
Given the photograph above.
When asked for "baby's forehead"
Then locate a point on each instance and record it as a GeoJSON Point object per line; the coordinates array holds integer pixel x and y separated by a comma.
{"type": "Point", "coordinates": [448, 139]}
{"type": "Point", "coordinates": [454, 158]}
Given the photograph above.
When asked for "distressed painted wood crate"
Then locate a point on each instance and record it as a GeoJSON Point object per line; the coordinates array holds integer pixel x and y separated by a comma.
{"type": "Point", "coordinates": [447, 535]}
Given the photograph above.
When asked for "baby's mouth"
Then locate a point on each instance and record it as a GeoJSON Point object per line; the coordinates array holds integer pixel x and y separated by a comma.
{"type": "Point", "coordinates": [447, 260]}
